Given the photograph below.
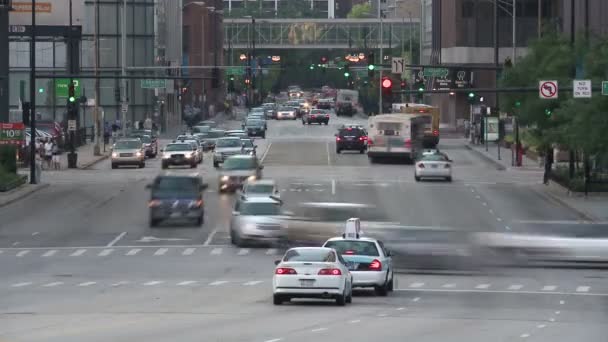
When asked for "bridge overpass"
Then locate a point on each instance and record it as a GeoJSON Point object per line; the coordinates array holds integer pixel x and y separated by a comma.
{"type": "Point", "coordinates": [317, 33]}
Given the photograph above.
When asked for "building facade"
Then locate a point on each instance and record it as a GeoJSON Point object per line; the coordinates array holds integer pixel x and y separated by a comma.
{"type": "Point", "coordinates": [326, 8]}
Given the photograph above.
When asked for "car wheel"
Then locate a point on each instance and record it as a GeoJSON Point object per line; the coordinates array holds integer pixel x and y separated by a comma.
{"type": "Point", "coordinates": [326, 123]}
{"type": "Point", "coordinates": [341, 299]}
{"type": "Point", "coordinates": [142, 165]}
{"type": "Point", "coordinates": [277, 299]}
{"type": "Point", "coordinates": [163, 166]}
{"type": "Point", "coordinates": [372, 160]}
{"type": "Point", "coordinates": [417, 178]}
{"type": "Point", "coordinates": [264, 136]}
{"type": "Point", "coordinates": [216, 164]}
{"type": "Point", "coordinates": [303, 123]}
{"type": "Point", "coordinates": [349, 298]}
{"type": "Point", "coordinates": [390, 286]}
{"type": "Point", "coordinates": [200, 220]}
{"type": "Point", "coordinates": [381, 291]}
{"type": "Point", "coordinates": [114, 166]}
{"type": "Point", "coordinates": [361, 151]}
{"type": "Point", "coordinates": [449, 179]}
{"type": "Point", "coordinates": [338, 151]}
{"type": "Point", "coordinates": [193, 165]}
{"type": "Point", "coordinates": [154, 222]}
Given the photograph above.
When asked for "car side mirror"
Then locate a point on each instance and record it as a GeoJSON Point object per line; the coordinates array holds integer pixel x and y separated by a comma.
{"type": "Point", "coordinates": [277, 262]}
{"type": "Point", "coordinates": [261, 167]}
{"type": "Point", "coordinates": [255, 147]}
{"type": "Point", "coordinates": [204, 186]}
{"type": "Point", "coordinates": [389, 253]}
{"type": "Point", "coordinates": [162, 150]}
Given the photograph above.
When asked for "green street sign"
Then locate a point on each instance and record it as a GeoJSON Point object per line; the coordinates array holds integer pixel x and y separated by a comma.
{"type": "Point", "coordinates": [61, 87]}
{"type": "Point", "coordinates": [235, 70]}
{"type": "Point", "coordinates": [436, 72]}
{"type": "Point", "coordinates": [153, 84]}
{"type": "Point", "coordinates": [605, 88]}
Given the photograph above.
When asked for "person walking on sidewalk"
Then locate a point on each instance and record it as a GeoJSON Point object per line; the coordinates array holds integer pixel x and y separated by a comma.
{"type": "Point", "coordinates": [55, 155]}
{"type": "Point", "coordinates": [548, 165]}
{"type": "Point", "coordinates": [48, 152]}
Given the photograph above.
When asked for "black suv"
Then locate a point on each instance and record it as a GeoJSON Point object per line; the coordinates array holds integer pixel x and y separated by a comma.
{"type": "Point", "coordinates": [351, 139]}
{"type": "Point", "coordinates": [176, 197]}
{"type": "Point", "coordinates": [255, 127]}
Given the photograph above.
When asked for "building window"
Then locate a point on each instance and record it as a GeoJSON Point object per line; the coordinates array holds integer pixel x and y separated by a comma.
{"type": "Point", "coordinates": [468, 9]}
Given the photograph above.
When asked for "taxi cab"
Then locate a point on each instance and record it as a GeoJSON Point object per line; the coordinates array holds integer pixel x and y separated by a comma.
{"type": "Point", "coordinates": [369, 262]}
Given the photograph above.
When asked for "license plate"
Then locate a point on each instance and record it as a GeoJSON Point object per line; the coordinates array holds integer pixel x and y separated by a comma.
{"type": "Point", "coordinates": [434, 166]}
{"type": "Point", "coordinates": [389, 132]}
{"type": "Point", "coordinates": [307, 282]}
{"type": "Point", "coordinates": [175, 215]}
{"type": "Point", "coordinates": [352, 266]}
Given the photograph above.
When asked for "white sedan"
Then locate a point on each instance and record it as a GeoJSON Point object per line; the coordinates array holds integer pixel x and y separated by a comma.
{"type": "Point", "coordinates": [433, 166]}
{"type": "Point", "coordinates": [312, 272]}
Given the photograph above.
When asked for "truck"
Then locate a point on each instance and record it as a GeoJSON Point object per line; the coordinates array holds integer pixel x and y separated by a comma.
{"type": "Point", "coordinates": [346, 102]}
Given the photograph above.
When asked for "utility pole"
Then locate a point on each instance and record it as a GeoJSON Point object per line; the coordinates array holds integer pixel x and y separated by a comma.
{"type": "Point", "coordinates": [123, 63]}
{"type": "Point", "coordinates": [381, 60]}
{"type": "Point", "coordinates": [4, 66]}
{"type": "Point", "coordinates": [33, 97]}
{"type": "Point", "coordinates": [72, 156]}
{"type": "Point", "coordinates": [96, 148]}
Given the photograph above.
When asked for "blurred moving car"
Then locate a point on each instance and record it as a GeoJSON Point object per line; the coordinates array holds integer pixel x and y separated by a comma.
{"type": "Point", "coordinates": [261, 188]}
{"type": "Point", "coordinates": [249, 147]}
{"type": "Point", "coordinates": [255, 128]}
{"type": "Point", "coordinates": [325, 103]}
{"type": "Point", "coordinates": [150, 147]}
{"type": "Point", "coordinates": [176, 197]}
{"type": "Point", "coordinates": [176, 154]}
{"type": "Point", "coordinates": [433, 166]}
{"type": "Point", "coordinates": [209, 123]}
{"type": "Point", "coordinates": [351, 139]}
{"type": "Point", "coordinates": [237, 170]}
{"type": "Point", "coordinates": [312, 272]}
{"type": "Point", "coordinates": [201, 129]}
{"type": "Point", "coordinates": [209, 141]}
{"type": "Point", "coordinates": [318, 116]}
{"type": "Point", "coordinates": [256, 220]}
{"type": "Point", "coordinates": [285, 113]}
{"type": "Point", "coordinates": [226, 147]}
{"type": "Point", "coordinates": [270, 110]}
{"type": "Point", "coordinates": [128, 152]}
{"type": "Point", "coordinates": [198, 148]}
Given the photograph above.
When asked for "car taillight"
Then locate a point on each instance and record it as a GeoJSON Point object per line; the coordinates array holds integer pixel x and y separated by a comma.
{"type": "Point", "coordinates": [285, 270]}
{"type": "Point", "coordinates": [361, 139]}
{"type": "Point", "coordinates": [349, 252]}
{"type": "Point", "coordinates": [408, 143]}
{"type": "Point", "coordinates": [370, 141]}
{"type": "Point", "coordinates": [330, 271]}
{"type": "Point", "coordinates": [313, 116]}
{"type": "Point", "coordinates": [421, 166]}
{"type": "Point", "coordinates": [435, 132]}
{"type": "Point", "coordinates": [326, 115]}
{"type": "Point", "coordinates": [196, 204]}
{"type": "Point", "coordinates": [338, 139]}
{"type": "Point", "coordinates": [375, 265]}
{"type": "Point", "coordinates": [154, 203]}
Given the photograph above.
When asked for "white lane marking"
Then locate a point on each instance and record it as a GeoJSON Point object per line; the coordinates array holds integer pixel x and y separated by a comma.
{"type": "Point", "coordinates": [27, 283]}
{"type": "Point", "coordinates": [274, 340]}
{"type": "Point", "coordinates": [524, 335]}
{"type": "Point", "coordinates": [116, 239]}
{"type": "Point", "coordinates": [416, 285]}
{"type": "Point", "coordinates": [484, 204]}
{"type": "Point", "coordinates": [515, 287]}
{"type": "Point", "coordinates": [478, 197]}
{"type": "Point", "coordinates": [105, 252]}
{"type": "Point", "coordinates": [23, 253]}
{"type": "Point", "coordinates": [211, 236]}
{"type": "Point", "coordinates": [271, 251]}
{"type": "Point", "coordinates": [551, 319]}
{"type": "Point", "coordinates": [318, 329]}
{"type": "Point", "coordinates": [218, 282]}
{"type": "Point", "coordinates": [582, 289]}
{"type": "Point", "coordinates": [153, 282]}
{"type": "Point", "coordinates": [333, 186]}
{"type": "Point", "coordinates": [78, 252]}
{"type": "Point", "coordinates": [35, 233]}
{"type": "Point", "coordinates": [498, 219]}
{"type": "Point", "coordinates": [355, 321]}
{"type": "Point", "coordinates": [187, 282]}
{"type": "Point", "coordinates": [50, 253]}
{"type": "Point", "coordinates": [400, 309]}
{"type": "Point", "coordinates": [253, 282]}
{"type": "Point", "coordinates": [161, 251]}
{"type": "Point", "coordinates": [416, 299]}
{"type": "Point", "coordinates": [382, 315]}
{"type": "Point", "coordinates": [561, 302]}
{"type": "Point", "coordinates": [549, 288]}
{"type": "Point", "coordinates": [216, 251]}
{"type": "Point", "coordinates": [188, 251]}
{"type": "Point", "coordinates": [491, 211]}
{"type": "Point", "coordinates": [133, 251]}
{"type": "Point", "coordinates": [16, 243]}
{"type": "Point", "coordinates": [507, 228]}
{"type": "Point", "coordinates": [557, 312]}
{"type": "Point", "coordinates": [265, 153]}
{"type": "Point", "coordinates": [328, 155]}
{"type": "Point", "coordinates": [482, 286]}
{"type": "Point", "coordinates": [55, 283]}
{"type": "Point", "coordinates": [540, 326]}
{"type": "Point", "coordinates": [243, 251]}
{"type": "Point", "coordinates": [88, 283]}
{"type": "Point", "coordinates": [120, 283]}
{"type": "Point", "coordinates": [449, 286]}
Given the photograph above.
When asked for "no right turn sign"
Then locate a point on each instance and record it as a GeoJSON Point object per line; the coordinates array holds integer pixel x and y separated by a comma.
{"type": "Point", "coordinates": [547, 90]}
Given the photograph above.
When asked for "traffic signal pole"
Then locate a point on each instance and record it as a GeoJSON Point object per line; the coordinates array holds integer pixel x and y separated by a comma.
{"type": "Point", "coordinates": [381, 60]}
{"type": "Point", "coordinates": [33, 97]}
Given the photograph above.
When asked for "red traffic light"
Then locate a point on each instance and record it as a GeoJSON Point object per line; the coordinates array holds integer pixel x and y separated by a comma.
{"type": "Point", "coordinates": [387, 83]}
{"type": "Point", "coordinates": [324, 60]}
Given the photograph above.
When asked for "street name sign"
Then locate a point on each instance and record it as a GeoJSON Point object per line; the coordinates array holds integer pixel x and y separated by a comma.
{"type": "Point", "coordinates": [581, 89]}
{"type": "Point", "coordinates": [605, 88]}
{"type": "Point", "coordinates": [62, 84]}
{"type": "Point", "coordinates": [436, 72]}
{"type": "Point", "coordinates": [547, 90]}
{"type": "Point", "coordinates": [153, 84]}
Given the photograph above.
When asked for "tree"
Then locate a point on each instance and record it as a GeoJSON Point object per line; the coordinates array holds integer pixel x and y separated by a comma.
{"type": "Point", "coordinates": [360, 11]}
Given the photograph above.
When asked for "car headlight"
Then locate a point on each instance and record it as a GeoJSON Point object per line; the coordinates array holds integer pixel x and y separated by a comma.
{"type": "Point", "coordinates": [114, 154]}
{"type": "Point", "coordinates": [188, 156]}
{"type": "Point", "coordinates": [138, 154]}
{"type": "Point", "coordinates": [166, 156]}
{"type": "Point", "coordinates": [251, 178]}
{"type": "Point", "coordinates": [250, 226]}
{"type": "Point", "coordinates": [225, 178]}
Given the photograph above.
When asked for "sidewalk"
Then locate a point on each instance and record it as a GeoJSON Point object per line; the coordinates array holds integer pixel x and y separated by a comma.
{"type": "Point", "coordinates": [14, 195]}
{"type": "Point", "coordinates": [86, 158]}
{"type": "Point", "coordinates": [506, 159]}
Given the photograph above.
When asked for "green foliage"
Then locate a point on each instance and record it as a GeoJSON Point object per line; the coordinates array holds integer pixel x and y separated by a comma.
{"type": "Point", "coordinates": [360, 11]}
{"type": "Point", "coordinates": [8, 158]}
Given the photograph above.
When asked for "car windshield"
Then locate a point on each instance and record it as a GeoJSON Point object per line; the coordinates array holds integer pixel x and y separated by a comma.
{"type": "Point", "coordinates": [238, 164]}
{"type": "Point", "coordinates": [216, 134]}
{"type": "Point", "coordinates": [260, 209]}
{"type": "Point", "coordinates": [200, 129]}
{"type": "Point", "coordinates": [175, 185]}
{"type": "Point", "coordinates": [350, 132]}
{"type": "Point", "coordinates": [259, 188]}
{"type": "Point", "coordinates": [178, 147]}
{"type": "Point", "coordinates": [253, 122]}
{"type": "Point", "coordinates": [310, 255]}
{"type": "Point", "coordinates": [286, 109]}
{"type": "Point", "coordinates": [317, 111]}
{"type": "Point", "coordinates": [346, 247]}
{"type": "Point", "coordinates": [434, 157]}
{"type": "Point", "coordinates": [127, 144]}
{"type": "Point", "coordinates": [228, 143]}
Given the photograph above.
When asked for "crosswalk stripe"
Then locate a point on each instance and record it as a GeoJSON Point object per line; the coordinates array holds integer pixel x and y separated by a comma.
{"type": "Point", "coordinates": [120, 283]}
{"type": "Point", "coordinates": [154, 282]}
{"type": "Point", "coordinates": [415, 285]}
{"type": "Point", "coordinates": [78, 252]}
{"type": "Point", "coordinates": [271, 251]}
{"type": "Point", "coordinates": [88, 283]}
{"type": "Point", "coordinates": [515, 287]}
{"type": "Point", "coordinates": [219, 282]}
{"type": "Point", "coordinates": [133, 251]}
{"type": "Point", "coordinates": [251, 283]}
{"type": "Point", "coordinates": [186, 283]}
{"type": "Point", "coordinates": [582, 289]}
{"type": "Point", "coordinates": [549, 288]}
{"type": "Point", "coordinates": [449, 286]}
{"type": "Point", "coordinates": [1, 252]}
{"type": "Point", "coordinates": [106, 252]}
{"type": "Point", "coordinates": [27, 283]}
{"type": "Point", "coordinates": [161, 251]}
{"type": "Point", "coordinates": [216, 251]}
{"type": "Point", "coordinates": [482, 286]}
{"type": "Point", "coordinates": [23, 253]}
{"type": "Point", "coordinates": [243, 251]}
{"type": "Point", "coordinates": [56, 283]}
{"type": "Point", "coordinates": [188, 251]}
{"type": "Point", "coordinates": [49, 253]}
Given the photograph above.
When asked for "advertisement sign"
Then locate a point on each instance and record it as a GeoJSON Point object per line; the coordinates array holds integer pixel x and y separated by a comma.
{"type": "Point", "coordinates": [492, 126]}
{"type": "Point", "coordinates": [62, 85]}
{"type": "Point", "coordinates": [12, 133]}
{"type": "Point", "coordinates": [48, 12]}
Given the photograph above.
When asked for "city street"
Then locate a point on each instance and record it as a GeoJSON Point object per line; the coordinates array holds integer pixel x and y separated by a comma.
{"type": "Point", "coordinates": [80, 263]}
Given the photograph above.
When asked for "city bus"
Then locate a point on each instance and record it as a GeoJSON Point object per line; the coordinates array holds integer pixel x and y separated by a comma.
{"type": "Point", "coordinates": [431, 134]}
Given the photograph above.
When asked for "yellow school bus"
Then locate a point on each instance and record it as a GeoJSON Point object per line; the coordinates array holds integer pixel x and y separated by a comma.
{"type": "Point", "coordinates": [431, 134]}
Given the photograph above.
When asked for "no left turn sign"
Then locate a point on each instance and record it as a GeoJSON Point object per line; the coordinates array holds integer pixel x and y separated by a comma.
{"type": "Point", "coordinates": [547, 90]}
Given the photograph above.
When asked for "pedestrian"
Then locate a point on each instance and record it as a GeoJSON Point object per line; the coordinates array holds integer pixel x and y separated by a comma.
{"type": "Point", "coordinates": [548, 166]}
{"type": "Point", "coordinates": [48, 152]}
{"type": "Point", "coordinates": [55, 155]}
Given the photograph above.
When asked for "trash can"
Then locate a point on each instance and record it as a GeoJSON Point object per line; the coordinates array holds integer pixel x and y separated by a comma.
{"type": "Point", "coordinates": [72, 160]}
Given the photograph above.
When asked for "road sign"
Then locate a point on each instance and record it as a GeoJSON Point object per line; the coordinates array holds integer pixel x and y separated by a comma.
{"type": "Point", "coordinates": [398, 65]}
{"type": "Point", "coordinates": [62, 85]}
{"type": "Point", "coordinates": [124, 108]}
{"type": "Point", "coordinates": [153, 84]}
{"type": "Point", "coordinates": [605, 88]}
{"type": "Point", "coordinates": [581, 89]}
{"type": "Point", "coordinates": [547, 90]}
{"type": "Point", "coordinates": [12, 133]}
{"type": "Point", "coordinates": [71, 125]}
{"type": "Point", "coordinates": [436, 72]}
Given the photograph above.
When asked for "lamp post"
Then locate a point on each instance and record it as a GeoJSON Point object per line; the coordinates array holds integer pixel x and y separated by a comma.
{"type": "Point", "coordinates": [33, 97]}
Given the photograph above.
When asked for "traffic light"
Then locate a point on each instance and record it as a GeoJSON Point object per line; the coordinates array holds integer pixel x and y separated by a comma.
{"type": "Point", "coordinates": [472, 98]}
{"type": "Point", "coordinates": [324, 60]}
{"type": "Point", "coordinates": [41, 90]}
{"type": "Point", "coordinates": [26, 112]}
{"type": "Point", "coordinates": [347, 71]}
{"type": "Point", "coordinates": [215, 78]}
{"type": "Point", "coordinates": [117, 94]}
{"type": "Point", "coordinates": [312, 67]}
{"type": "Point", "coordinates": [548, 112]}
{"type": "Point", "coordinates": [71, 92]}
{"type": "Point", "coordinates": [403, 84]}
{"type": "Point", "coordinates": [387, 86]}
{"type": "Point", "coordinates": [231, 87]}
{"type": "Point", "coordinates": [371, 67]}
{"type": "Point", "coordinates": [517, 104]}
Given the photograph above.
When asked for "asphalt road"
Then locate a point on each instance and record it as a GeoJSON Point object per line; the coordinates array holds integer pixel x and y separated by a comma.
{"type": "Point", "coordinates": [79, 263]}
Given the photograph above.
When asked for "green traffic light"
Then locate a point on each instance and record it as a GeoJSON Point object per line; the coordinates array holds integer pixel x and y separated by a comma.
{"type": "Point", "coordinates": [548, 112]}
{"type": "Point", "coordinates": [371, 67]}
{"type": "Point", "coordinates": [346, 74]}
{"type": "Point", "coordinates": [420, 89]}
{"type": "Point", "coordinates": [518, 104]}
{"type": "Point", "coordinates": [471, 95]}
{"type": "Point", "coordinates": [72, 99]}
{"type": "Point", "coordinates": [41, 90]}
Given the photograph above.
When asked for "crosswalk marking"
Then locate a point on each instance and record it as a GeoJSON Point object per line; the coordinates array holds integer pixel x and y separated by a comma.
{"type": "Point", "coordinates": [120, 283]}
{"type": "Point", "coordinates": [23, 253]}
{"type": "Point", "coordinates": [27, 283]}
{"type": "Point", "coordinates": [88, 283]}
{"type": "Point", "coordinates": [49, 253]}
{"type": "Point", "coordinates": [216, 251]}
{"type": "Point", "coordinates": [78, 252]}
{"type": "Point", "coordinates": [271, 251]}
{"type": "Point", "coordinates": [416, 285]}
{"type": "Point", "coordinates": [188, 251]}
{"type": "Point", "coordinates": [161, 251]}
{"type": "Point", "coordinates": [253, 282]}
{"type": "Point", "coordinates": [515, 287]}
{"type": "Point", "coordinates": [449, 286]}
{"type": "Point", "coordinates": [106, 252]}
{"type": "Point", "coordinates": [482, 286]}
{"type": "Point", "coordinates": [219, 282]}
{"type": "Point", "coordinates": [154, 282]}
{"type": "Point", "coordinates": [582, 289]}
{"type": "Point", "coordinates": [549, 288]}
{"type": "Point", "coordinates": [55, 283]}
{"type": "Point", "coordinates": [186, 283]}
{"type": "Point", "coordinates": [133, 251]}
{"type": "Point", "coordinates": [243, 251]}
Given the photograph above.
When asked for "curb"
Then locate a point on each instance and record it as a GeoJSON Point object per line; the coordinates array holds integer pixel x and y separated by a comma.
{"type": "Point", "coordinates": [24, 194]}
{"type": "Point", "coordinates": [93, 163]}
{"type": "Point", "coordinates": [581, 213]}
{"type": "Point", "coordinates": [498, 165]}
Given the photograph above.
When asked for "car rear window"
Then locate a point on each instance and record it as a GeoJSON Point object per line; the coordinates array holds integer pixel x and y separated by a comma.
{"type": "Point", "coordinates": [310, 255]}
{"type": "Point", "coordinates": [434, 157]}
{"type": "Point", "coordinates": [347, 247]}
{"type": "Point", "coordinates": [176, 184]}
{"type": "Point", "coordinates": [351, 132]}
